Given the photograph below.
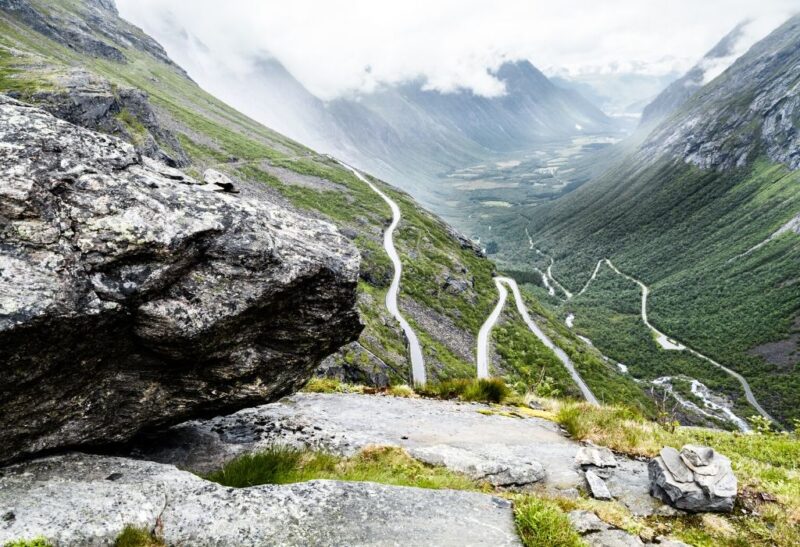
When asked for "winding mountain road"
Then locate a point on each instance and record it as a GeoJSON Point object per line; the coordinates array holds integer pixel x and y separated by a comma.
{"type": "Point", "coordinates": [671, 344]}
{"type": "Point", "coordinates": [482, 357]}
{"type": "Point", "coordinates": [503, 284]}
{"type": "Point", "coordinates": [414, 348]}
{"type": "Point", "coordinates": [665, 341]}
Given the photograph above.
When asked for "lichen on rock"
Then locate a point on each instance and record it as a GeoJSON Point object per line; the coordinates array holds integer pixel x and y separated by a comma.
{"type": "Point", "coordinates": [133, 296]}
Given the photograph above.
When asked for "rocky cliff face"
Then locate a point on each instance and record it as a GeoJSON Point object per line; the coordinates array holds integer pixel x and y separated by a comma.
{"type": "Point", "coordinates": [133, 296]}
{"type": "Point", "coordinates": [80, 96]}
{"type": "Point", "coordinates": [751, 109]}
{"type": "Point", "coordinates": [98, 32]}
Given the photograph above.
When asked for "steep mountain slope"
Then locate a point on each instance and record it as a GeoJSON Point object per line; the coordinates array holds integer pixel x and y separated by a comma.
{"type": "Point", "coordinates": [447, 287]}
{"type": "Point", "coordinates": [679, 91]}
{"type": "Point", "coordinates": [706, 213]}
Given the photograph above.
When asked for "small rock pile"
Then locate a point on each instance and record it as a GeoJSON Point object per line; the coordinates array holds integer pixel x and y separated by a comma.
{"type": "Point", "coordinates": [696, 479]}
{"type": "Point", "coordinates": [595, 461]}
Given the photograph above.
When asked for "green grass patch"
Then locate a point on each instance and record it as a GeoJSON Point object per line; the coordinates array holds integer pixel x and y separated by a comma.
{"type": "Point", "coordinates": [683, 239]}
{"type": "Point", "coordinates": [35, 542]}
{"type": "Point", "coordinates": [385, 465]}
{"type": "Point", "coordinates": [331, 385]}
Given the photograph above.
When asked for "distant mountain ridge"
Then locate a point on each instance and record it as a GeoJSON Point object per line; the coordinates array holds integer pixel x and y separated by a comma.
{"type": "Point", "coordinates": [679, 91]}
{"type": "Point", "coordinates": [420, 132]}
{"type": "Point", "coordinates": [409, 134]}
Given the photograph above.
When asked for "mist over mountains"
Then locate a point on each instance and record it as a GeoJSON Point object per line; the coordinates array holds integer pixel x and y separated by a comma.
{"type": "Point", "coordinates": [413, 135]}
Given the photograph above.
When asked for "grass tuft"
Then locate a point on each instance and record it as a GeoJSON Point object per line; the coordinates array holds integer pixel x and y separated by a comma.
{"type": "Point", "coordinates": [492, 390]}
{"type": "Point", "coordinates": [542, 523]}
{"type": "Point", "coordinates": [323, 385]}
{"type": "Point", "coordinates": [331, 385]}
{"type": "Point", "coordinates": [401, 390]}
{"type": "Point", "coordinates": [137, 537]}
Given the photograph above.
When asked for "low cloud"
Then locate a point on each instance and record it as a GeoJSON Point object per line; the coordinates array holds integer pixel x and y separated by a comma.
{"type": "Point", "coordinates": [341, 47]}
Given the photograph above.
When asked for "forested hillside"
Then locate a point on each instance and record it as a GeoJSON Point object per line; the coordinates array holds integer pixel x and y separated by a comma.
{"type": "Point", "coordinates": [705, 212]}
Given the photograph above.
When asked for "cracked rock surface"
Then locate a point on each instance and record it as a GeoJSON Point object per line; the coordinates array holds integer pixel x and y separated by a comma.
{"type": "Point", "coordinates": [85, 500]}
{"type": "Point", "coordinates": [505, 451]}
{"type": "Point", "coordinates": [133, 296]}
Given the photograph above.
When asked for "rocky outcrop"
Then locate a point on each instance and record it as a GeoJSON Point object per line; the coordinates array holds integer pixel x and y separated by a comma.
{"type": "Point", "coordinates": [89, 101]}
{"type": "Point", "coordinates": [696, 479]}
{"type": "Point", "coordinates": [133, 296]}
{"type": "Point", "coordinates": [74, 34]}
{"type": "Point", "coordinates": [355, 364]}
{"type": "Point", "coordinates": [479, 440]}
{"type": "Point", "coordinates": [87, 500]}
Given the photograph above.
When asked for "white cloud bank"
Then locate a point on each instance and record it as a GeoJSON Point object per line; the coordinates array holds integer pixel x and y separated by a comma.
{"type": "Point", "coordinates": [337, 47]}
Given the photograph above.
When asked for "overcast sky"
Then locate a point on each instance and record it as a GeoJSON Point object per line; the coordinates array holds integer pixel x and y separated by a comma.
{"type": "Point", "coordinates": [337, 47]}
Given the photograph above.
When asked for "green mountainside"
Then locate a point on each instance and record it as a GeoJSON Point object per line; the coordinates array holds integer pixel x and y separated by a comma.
{"type": "Point", "coordinates": [80, 61]}
{"type": "Point", "coordinates": [706, 212]}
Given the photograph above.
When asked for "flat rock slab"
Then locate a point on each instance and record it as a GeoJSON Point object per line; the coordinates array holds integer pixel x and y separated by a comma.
{"type": "Point", "coordinates": [508, 451]}
{"type": "Point", "coordinates": [438, 432]}
{"type": "Point", "coordinates": [597, 533]}
{"type": "Point", "coordinates": [597, 486]}
{"type": "Point", "coordinates": [597, 456]}
{"type": "Point", "coordinates": [87, 500]}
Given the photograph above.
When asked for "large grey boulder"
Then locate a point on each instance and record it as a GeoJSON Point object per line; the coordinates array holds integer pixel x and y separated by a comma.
{"type": "Point", "coordinates": [132, 296]}
{"type": "Point", "coordinates": [696, 479]}
{"type": "Point", "coordinates": [85, 500]}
